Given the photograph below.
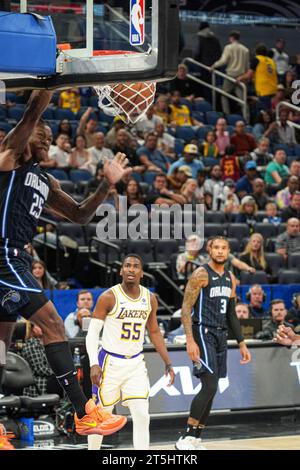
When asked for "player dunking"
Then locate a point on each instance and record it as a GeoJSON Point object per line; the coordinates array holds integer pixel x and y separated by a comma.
{"type": "Point", "coordinates": [24, 190]}
{"type": "Point", "coordinates": [118, 371]}
{"type": "Point", "coordinates": [208, 309]}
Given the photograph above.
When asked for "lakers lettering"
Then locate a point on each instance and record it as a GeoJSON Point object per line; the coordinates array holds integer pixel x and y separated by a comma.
{"type": "Point", "coordinates": [125, 313]}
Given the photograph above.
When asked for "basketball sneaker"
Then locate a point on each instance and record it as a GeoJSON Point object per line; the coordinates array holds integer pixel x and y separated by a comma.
{"type": "Point", "coordinates": [98, 421]}
{"type": "Point", "coordinates": [4, 439]}
{"type": "Point", "coordinates": [186, 443]}
{"type": "Point", "coordinates": [198, 444]}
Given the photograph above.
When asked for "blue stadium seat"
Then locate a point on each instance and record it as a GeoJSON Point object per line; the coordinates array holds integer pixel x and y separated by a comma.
{"type": "Point", "coordinates": [185, 133]}
{"type": "Point", "coordinates": [179, 146]}
{"type": "Point", "coordinates": [93, 101]}
{"type": "Point", "coordinates": [249, 129]}
{"type": "Point", "coordinates": [233, 118]}
{"type": "Point", "coordinates": [61, 113]}
{"type": "Point", "coordinates": [6, 126]}
{"type": "Point", "coordinates": [201, 132]}
{"type": "Point", "coordinates": [48, 114]}
{"type": "Point", "coordinates": [80, 175]}
{"type": "Point", "coordinates": [289, 150]}
{"type": "Point", "coordinates": [149, 177]}
{"type": "Point", "coordinates": [297, 150]}
{"type": "Point", "coordinates": [11, 97]}
{"type": "Point", "coordinates": [15, 113]}
{"type": "Point", "coordinates": [3, 113]}
{"type": "Point", "coordinates": [101, 129]}
{"type": "Point", "coordinates": [187, 103]}
{"type": "Point", "coordinates": [103, 117]}
{"type": "Point", "coordinates": [212, 117]}
{"type": "Point", "coordinates": [137, 176]}
{"type": "Point", "coordinates": [60, 175]}
{"type": "Point", "coordinates": [199, 116]}
{"type": "Point", "coordinates": [203, 106]}
{"type": "Point", "coordinates": [230, 129]}
{"type": "Point", "coordinates": [210, 161]}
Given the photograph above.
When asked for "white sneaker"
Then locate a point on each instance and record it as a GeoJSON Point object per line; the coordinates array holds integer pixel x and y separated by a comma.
{"type": "Point", "coordinates": [186, 443]}
{"type": "Point", "coordinates": [198, 445]}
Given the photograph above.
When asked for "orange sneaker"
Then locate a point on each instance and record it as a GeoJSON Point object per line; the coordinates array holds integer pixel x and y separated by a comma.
{"type": "Point", "coordinates": [4, 439]}
{"type": "Point", "coordinates": [98, 421]}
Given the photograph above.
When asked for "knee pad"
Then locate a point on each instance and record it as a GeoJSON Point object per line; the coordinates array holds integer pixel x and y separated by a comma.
{"type": "Point", "coordinates": [2, 353]}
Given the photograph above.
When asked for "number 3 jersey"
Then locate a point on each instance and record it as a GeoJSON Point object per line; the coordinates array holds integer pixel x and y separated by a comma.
{"type": "Point", "coordinates": [212, 304]}
{"type": "Point", "coordinates": [124, 326]}
{"type": "Point", "coordinates": [23, 194]}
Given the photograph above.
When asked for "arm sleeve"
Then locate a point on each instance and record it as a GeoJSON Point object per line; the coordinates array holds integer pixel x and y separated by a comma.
{"type": "Point", "coordinates": [233, 321]}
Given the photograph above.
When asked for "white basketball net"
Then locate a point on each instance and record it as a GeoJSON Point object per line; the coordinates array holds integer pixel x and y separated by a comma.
{"type": "Point", "coordinates": [114, 99]}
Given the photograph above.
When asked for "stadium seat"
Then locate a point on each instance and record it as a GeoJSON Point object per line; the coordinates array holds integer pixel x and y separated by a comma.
{"type": "Point", "coordinates": [259, 277]}
{"type": "Point", "coordinates": [164, 249]}
{"type": "Point", "coordinates": [144, 187]}
{"type": "Point", "coordinates": [187, 103]}
{"type": "Point", "coordinates": [136, 176]}
{"type": "Point", "coordinates": [215, 217]}
{"type": "Point", "coordinates": [235, 245]}
{"type": "Point", "coordinates": [108, 251]}
{"type": "Point", "coordinates": [233, 118]}
{"type": "Point", "coordinates": [3, 113]}
{"type": "Point", "coordinates": [15, 113]}
{"type": "Point", "coordinates": [266, 230]}
{"type": "Point", "coordinates": [60, 175]}
{"type": "Point", "coordinates": [6, 126]}
{"type": "Point", "coordinates": [149, 177]}
{"type": "Point", "coordinates": [67, 186]}
{"type": "Point", "coordinates": [80, 175]}
{"type": "Point", "coordinates": [202, 106]}
{"type": "Point", "coordinates": [142, 248]}
{"type": "Point", "coordinates": [92, 101]}
{"type": "Point", "coordinates": [209, 161]}
{"type": "Point", "coordinates": [294, 261]}
{"type": "Point", "coordinates": [275, 261]}
{"type": "Point", "coordinates": [238, 231]}
{"type": "Point", "coordinates": [74, 231]}
{"type": "Point", "coordinates": [202, 131]}
{"type": "Point", "coordinates": [212, 117]}
{"type": "Point", "coordinates": [199, 116]}
{"type": "Point", "coordinates": [288, 150]}
{"type": "Point", "coordinates": [289, 276]}
{"type": "Point", "coordinates": [185, 133]}
{"type": "Point", "coordinates": [81, 187]}
{"type": "Point", "coordinates": [48, 114]}
{"type": "Point", "coordinates": [62, 113]}
{"type": "Point", "coordinates": [211, 230]}
{"type": "Point", "coordinates": [179, 146]}
{"type": "Point", "coordinates": [260, 215]}
{"type": "Point", "coordinates": [297, 150]}
{"type": "Point", "coordinates": [281, 228]}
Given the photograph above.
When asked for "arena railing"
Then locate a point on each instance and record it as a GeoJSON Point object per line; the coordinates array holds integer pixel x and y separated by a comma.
{"type": "Point", "coordinates": [216, 89]}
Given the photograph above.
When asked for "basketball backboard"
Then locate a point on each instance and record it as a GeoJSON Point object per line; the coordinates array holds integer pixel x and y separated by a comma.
{"type": "Point", "coordinates": [105, 41]}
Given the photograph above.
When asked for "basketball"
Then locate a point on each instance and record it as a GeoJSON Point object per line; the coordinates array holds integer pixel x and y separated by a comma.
{"type": "Point", "coordinates": [134, 98]}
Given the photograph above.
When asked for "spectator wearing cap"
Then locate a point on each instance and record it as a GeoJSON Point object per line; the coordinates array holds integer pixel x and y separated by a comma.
{"type": "Point", "coordinates": [160, 194]}
{"type": "Point", "coordinates": [244, 185]}
{"type": "Point", "coordinates": [190, 152]}
{"type": "Point", "coordinates": [281, 59]}
{"type": "Point", "coordinates": [209, 147]}
{"type": "Point", "coordinates": [230, 202]}
{"type": "Point", "coordinates": [188, 261]}
{"type": "Point", "coordinates": [230, 164]}
{"type": "Point", "coordinates": [263, 71]}
{"type": "Point", "coordinates": [288, 242]}
{"type": "Point", "coordinates": [261, 154]}
{"type": "Point", "coordinates": [88, 126]}
{"type": "Point", "coordinates": [180, 114]}
{"type": "Point", "coordinates": [243, 141]}
{"type": "Point", "coordinates": [259, 194]}
{"type": "Point", "coordinates": [98, 153]}
{"type": "Point", "coordinates": [179, 177]}
{"type": "Point", "coordinates": [283, 197]}
{"type": "Point", "coordinates": [214, 186]}
{"type": "Point", "coordinates": [276, 170]}
{"type": "Point", "coordinates": [271, 215]}
{"type": "Point", "coordinates": [293, 210]}
{"type": "Point", "coordinates": [280, 95]}
{"type": "Point", "coordinates": [236, 58]}
{"type": "Point", "coordinates": [222, 135]}
{"type": "Point", "coordinates": [247, 215]}
{"type": "Point", "coordinates": [111, 136]}
{"type": "Point", "coordinates": [152, 158]}
{"type": "Point", "coordinates": [281, 132]}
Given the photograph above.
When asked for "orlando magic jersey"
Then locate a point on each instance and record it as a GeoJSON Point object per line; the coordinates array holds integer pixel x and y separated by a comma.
{"type": "Point", "coordinates": [124, 326]}
{"type": "Point", "coordinates": [212, 303]}
{"type": "Point", "coordinates": [23, 194]}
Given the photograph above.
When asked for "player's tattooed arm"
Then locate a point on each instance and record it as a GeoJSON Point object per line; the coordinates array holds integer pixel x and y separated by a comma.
{"type": "Point", "coordinates": [83, 212]}
{"type": "Point", "coordinates": [17, 139]}
{"type": "Point", "coordinates": [198, 279]}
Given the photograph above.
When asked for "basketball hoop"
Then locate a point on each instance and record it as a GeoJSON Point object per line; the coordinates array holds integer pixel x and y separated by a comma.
{"type": "Point", "coordinates": [131, 100]}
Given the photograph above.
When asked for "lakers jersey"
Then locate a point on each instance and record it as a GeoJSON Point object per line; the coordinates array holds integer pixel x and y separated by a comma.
{"type": "Point", "coordinates": [265, 76]}
{"type": "Point", "coordinates": [124, 326]}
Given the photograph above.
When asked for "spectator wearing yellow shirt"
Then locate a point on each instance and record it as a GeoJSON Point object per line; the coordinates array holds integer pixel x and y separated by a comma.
{"type": "Point", "coordinates": [70, 99]}
{"type": "Point", "coordinates": [180, 114]}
